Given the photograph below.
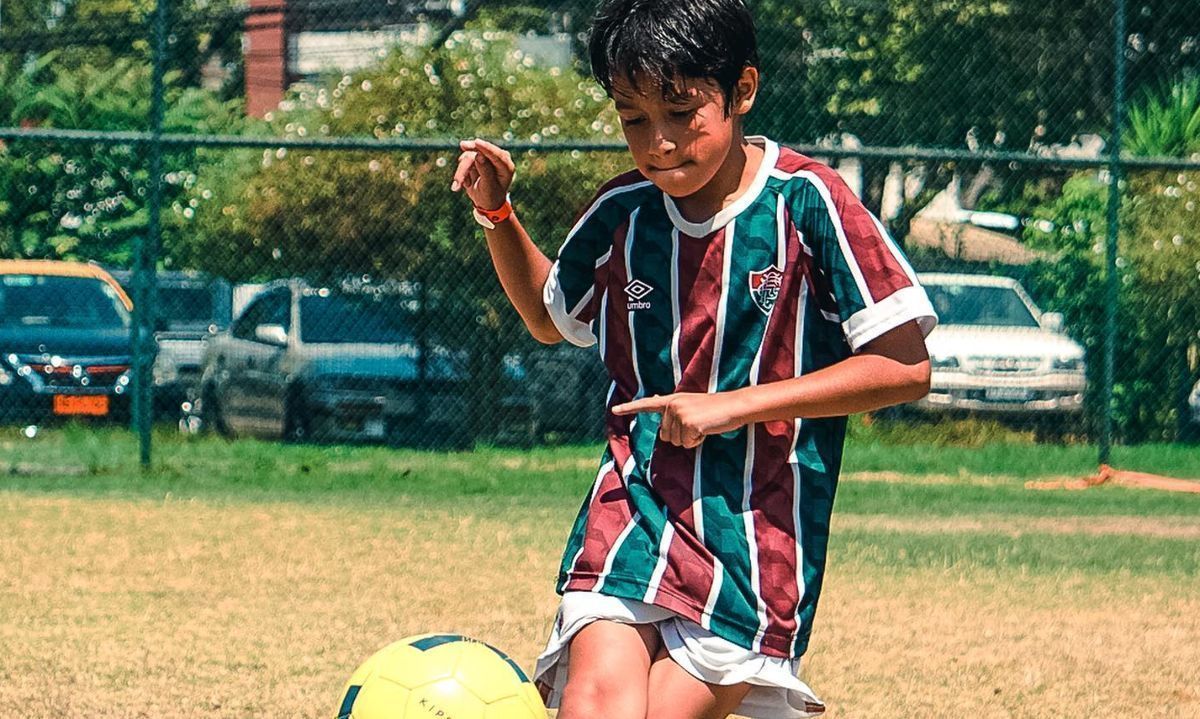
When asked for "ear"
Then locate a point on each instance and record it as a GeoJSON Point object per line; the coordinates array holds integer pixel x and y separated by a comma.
{"type": "Point", "coordinates": [745, 91]}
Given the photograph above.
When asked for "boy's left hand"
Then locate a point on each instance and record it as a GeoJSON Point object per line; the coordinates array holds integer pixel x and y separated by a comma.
{"type": "Point", "coordinates": [687, 417]}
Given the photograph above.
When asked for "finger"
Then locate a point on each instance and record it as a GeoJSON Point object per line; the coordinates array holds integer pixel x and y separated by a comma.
{"type": "Point", "coordinates": [501, 159]}
{"type": "Point", "coordinates": [671, 429]}
{"type": "Point", "coordinates": [494, 152]}
{"type": "Point", "coordinates": [486, 167]}
{"type": "Point", "coordinates": [664, 430]}
{"type": "Point", "coordinates": [656, 403]}
{"type": "Point", "coordinates": [691, 439]}
{"type": "Point", "coordinates": [676, 430]}
{"type": "Point", "coordinates": [471, 181]}
{"type": "Point", "coordinates": [465, 161]}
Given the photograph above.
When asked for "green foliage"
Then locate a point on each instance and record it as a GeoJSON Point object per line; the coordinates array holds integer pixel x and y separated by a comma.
{"type": "Point", "coordinates": [1167, 122]}
{"type": "Point", "coordinates": [73, 201]}
{"type": "Point", "coordinates": [1158, 264]}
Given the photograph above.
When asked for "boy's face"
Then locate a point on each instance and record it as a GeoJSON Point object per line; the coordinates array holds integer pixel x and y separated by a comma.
{"type": "Point", "coordinates": [681, 141]}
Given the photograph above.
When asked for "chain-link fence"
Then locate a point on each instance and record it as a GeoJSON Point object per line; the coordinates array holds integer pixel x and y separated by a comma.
{"type": "Point", "coordinates": [250, 210]}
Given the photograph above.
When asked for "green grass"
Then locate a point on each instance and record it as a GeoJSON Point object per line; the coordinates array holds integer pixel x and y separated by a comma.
{"type": "Point", "coordinates": [1024, 554]}
{"type": "Point", "coordinates": [275, 568]}
{"type": "Point", "coordinates": [79, 460]}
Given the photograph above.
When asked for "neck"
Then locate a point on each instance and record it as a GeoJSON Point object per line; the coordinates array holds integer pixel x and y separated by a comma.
{"type": "Point", "coordinates": [733, 178]}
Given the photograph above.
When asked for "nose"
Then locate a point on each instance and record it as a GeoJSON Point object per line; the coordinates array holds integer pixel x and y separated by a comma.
{"type": "Point", "coordinates": [661, 142]}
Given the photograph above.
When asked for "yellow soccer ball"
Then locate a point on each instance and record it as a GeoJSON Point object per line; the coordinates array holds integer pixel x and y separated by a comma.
{"type": "Point", "coordinates": [440, 676]}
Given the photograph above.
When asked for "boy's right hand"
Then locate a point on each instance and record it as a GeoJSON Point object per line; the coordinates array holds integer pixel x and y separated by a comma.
{"type": "Point", "coordinates": [485, 172]}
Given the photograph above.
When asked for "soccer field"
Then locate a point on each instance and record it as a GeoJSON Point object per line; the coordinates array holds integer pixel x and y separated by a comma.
{"type": "Point", "coordinates": [248, 580]}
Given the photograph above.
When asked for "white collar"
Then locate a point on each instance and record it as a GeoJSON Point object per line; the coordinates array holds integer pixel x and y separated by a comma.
{"type": "Point", "coordinates": [722, 218]}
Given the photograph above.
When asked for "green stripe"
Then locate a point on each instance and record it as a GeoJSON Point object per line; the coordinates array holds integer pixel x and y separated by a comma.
{"type": "Point", "coordinates": [753, 247]}
{"type": "Point", "coordinates": [650, 262]}
{"type": "Point", "coordinates": [437, 640]}
{"type": "Point", "coordinates": [819, 450]}
{"type": "Point", "coordinates": [348, 702]}
{"type": "Point", "coordinates": [811, 213]}
{"type": "Point", "coordinates": [637, 556]}
{"type": "Point", "coordinates": [577, 259]}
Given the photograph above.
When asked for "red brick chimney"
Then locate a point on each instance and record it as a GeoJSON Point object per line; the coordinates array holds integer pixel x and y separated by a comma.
{"type": "Point", "coordinates": [266, 56]}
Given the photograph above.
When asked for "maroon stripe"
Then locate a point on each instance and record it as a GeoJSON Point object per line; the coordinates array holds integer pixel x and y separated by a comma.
{"type": "Point", "coordinates": [701, 264]}
{"type": "Point", "coordinates": [607, 516]}
{"type": "Point", "coordinates": [883, 272]}
{"type": "Point", "coordinates": [618, 347]}
{"type": "Point", "coordinates": [791, 161]}
{"type": "Point", "coordinates": [772, 482]}
{"type": "Point", "coordinates": [689, 571]}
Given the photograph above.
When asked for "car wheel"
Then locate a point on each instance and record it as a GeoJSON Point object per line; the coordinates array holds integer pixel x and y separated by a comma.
{"type": "Point", "coordinates": [211, 419]}
{"type": "Point", "coordinates": [295, 418]}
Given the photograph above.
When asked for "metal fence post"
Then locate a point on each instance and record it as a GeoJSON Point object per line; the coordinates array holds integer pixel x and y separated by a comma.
{"type": "Point", "coordinates": [1114, 229]}
{"type": "Point", "coordinates": [147, 255]}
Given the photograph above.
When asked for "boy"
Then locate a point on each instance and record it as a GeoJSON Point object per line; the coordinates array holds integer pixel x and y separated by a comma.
{"type": "Point", "coordinates": [744, 302]}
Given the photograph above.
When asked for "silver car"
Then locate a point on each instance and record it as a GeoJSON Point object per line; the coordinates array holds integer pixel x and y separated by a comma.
{"type": "Point", "coordinates": [308, 363]}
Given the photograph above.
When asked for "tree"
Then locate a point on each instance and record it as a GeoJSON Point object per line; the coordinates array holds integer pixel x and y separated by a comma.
{"type": "Point", "coordinates": [1158, 260]}
{"type": "Point", "coordinates": [391, 214]}
{"type": "Point", "coordinates": [69, 201]}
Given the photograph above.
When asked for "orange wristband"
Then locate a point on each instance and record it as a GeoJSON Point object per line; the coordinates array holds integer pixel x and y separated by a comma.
{"type": "Point", "coordinates": [491, 218]}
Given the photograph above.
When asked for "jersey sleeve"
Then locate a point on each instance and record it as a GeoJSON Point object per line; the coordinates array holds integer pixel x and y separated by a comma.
{"type": "Point", "coordinates": [575, 287]}
{"type": "Point", "coordinates": [874, 288]}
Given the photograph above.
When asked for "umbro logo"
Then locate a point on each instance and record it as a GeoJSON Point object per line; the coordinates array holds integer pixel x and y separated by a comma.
{"type": "Point", "coordinates": [637, 291]}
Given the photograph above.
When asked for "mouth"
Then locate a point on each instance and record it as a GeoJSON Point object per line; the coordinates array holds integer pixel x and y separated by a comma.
{"type": "Point", "coordinates": [671, 168]}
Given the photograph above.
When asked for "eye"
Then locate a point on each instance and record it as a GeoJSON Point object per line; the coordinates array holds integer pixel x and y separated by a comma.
{"type": "Point", "coordinates": [684, 114]}
{"type": "Point", "coordinates": [630, 121]}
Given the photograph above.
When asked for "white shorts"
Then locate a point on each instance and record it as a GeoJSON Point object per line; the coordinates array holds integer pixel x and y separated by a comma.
{"type": "Point", "coordinates": [777, 692]}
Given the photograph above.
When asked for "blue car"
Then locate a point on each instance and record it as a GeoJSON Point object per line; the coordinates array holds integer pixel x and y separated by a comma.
{"type": "Point", "coordinates": [64, 342]}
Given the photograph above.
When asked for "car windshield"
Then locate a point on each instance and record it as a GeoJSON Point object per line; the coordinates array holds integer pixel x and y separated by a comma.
{"type": "Point", "coordinates": [186, 305]}
{"type": "Point", "coordinates": [980, 306]}
{"type": "Point", "coordinates": [53, 301]}
{"type": "Point", "coordinates": [338, 318]}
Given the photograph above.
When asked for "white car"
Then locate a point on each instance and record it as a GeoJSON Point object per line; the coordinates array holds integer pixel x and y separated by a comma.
{"type": "Point", "coordinates": [994, 351]}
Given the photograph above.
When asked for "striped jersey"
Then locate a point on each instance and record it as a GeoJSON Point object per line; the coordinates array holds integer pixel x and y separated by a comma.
{"type": "Point", "coordinates": [793, 276]}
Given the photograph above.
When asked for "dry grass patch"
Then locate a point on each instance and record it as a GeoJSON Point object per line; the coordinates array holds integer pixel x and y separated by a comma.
{"type": "Point", "coordinates": [172, 609]}
{"type": "Point", "coordinates": [1015, 526]}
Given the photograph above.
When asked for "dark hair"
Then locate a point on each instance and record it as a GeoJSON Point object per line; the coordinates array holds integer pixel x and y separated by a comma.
{"type": "Point", "coordinates": [666, 41]}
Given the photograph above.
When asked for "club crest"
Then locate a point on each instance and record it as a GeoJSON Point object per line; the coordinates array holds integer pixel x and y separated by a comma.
{"type": "Point", "coordinates": [764, 287]}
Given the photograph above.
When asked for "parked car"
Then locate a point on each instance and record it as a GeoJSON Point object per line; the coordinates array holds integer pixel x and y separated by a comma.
{"type": "Point", "coordinates": [995, 352]}
{"type": "Point", "coordinates": [304, 362]}
{"type": "Point", "coordinates": [191, 308]}
{"type": "Point", "coordinates": [557, 394]}
{"type": "Point", "coordinates": [64, 342]}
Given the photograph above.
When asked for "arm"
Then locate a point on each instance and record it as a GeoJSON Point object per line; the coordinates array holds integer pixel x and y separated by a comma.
{"type": "Point", "coordinates": [892, 369]}
{"type": "Point", "coordinates": [485, 172]}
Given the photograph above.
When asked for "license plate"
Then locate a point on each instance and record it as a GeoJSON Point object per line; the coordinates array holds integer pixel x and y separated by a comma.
{"type": "Point", "coordinates": [374, 428]}
{"type": "Point", "coordinates": [95, 405]}
{"type": "Point", "coordinates": [1008, 394]}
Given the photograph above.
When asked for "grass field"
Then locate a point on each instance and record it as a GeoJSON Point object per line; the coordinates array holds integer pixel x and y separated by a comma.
{"type": "Point", "coordinates": [247, 579]}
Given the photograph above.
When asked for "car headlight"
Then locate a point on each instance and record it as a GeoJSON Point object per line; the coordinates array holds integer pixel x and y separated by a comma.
{"type": "Point", "coordinates": [1068, 364]}
{"type": "Point", "coordinates": [944, 362]}
{"type": "Point", "coordinates": [123, 381]}
{"type": "Point", "coordinates": [10, 369]}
